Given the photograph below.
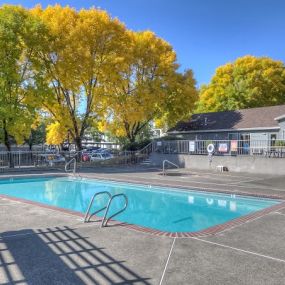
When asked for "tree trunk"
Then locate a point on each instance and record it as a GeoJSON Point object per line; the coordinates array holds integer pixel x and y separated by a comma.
{"type": "Point", "coordinates": [78, 143]}
{"type": "Point", "coordinates": [30, 147]}
{"type": "Point", "coordinates": [30, 141]}
{"type": "Point", "coordinates": [132, 139]}
{"type": "Point", "coordinates": [134, 130]}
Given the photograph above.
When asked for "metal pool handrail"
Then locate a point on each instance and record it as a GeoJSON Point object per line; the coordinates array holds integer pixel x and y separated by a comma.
{"type": "Point", "coordinates": [104, 224]}
{"type": "Point", "coordinates": [169, 162]}
{"type": "Point", "coordinates": [87, 218]}
{"type": "Point", "coordinates": [69, 162]}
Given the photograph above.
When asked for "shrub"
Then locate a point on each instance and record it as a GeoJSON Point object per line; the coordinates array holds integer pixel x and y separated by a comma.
{"type": "Point", "coordinates": [279, 143]}
{"type": "Point", "coordinates": [136, 145]}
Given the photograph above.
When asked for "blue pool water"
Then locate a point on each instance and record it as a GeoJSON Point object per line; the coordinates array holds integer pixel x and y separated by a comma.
{"type": "Point", "coordinates": [153, 207]}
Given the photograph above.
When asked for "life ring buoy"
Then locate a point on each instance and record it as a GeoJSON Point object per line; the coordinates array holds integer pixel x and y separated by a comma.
{"type": "Point", "coordinates": [210, 148]}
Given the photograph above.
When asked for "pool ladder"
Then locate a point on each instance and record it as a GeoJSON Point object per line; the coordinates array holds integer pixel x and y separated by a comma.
{"type": "Point", "coordinates": [105, 220]}
{"type": "Point", "coordinates": [67, 165]}
{"type": "Point", "coordinates": [164, 164]}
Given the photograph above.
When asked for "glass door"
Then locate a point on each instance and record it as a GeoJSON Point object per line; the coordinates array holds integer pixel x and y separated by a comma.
{"type": "Point", "coordinates": [244, 143]}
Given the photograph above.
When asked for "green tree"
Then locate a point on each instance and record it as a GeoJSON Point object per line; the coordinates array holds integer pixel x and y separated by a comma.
{"type": "Point", "coordinates": [37, 135]}
{"type": "Point", "coordinates": [246, 83]}
{"type": "Point", "coordinates": [18, 101]}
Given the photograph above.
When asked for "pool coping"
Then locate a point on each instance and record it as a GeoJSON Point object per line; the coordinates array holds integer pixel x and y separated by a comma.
{"type": "Point", "coordinates": [177, 187]}
{"type": "Point", "coordinates": [205, 232]}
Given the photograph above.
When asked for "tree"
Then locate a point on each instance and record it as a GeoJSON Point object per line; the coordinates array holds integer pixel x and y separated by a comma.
{"type": "Point", "coordinates": [83, 67]}
{"type": "Point", "coordinates": [56, 134]}
{"type": "Point", "coordinates": [181, 98]}
{"type": "Point", "coordinates": [18, 99]}
{"type": "Point", "coordinates": [246, 83]}
{"type": "Point", "coordinates": [78, 55]}
{"type": "Point", "coordinates": [37, 135]}
{"type": "Point", "coordinates": [146, 87]}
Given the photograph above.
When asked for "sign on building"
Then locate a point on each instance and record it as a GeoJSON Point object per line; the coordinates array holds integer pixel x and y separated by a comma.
{"type": "Point", "coordinates": [223, 147]}
{"type": "Point", "coordinates": [191, 146]}
{"type": "Point", "coordinates": [234, 145]}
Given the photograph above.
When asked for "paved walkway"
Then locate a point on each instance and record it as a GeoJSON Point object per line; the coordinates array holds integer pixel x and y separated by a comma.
{"type": "Point", "coordinates": [42, 246]}
{"type": "Point", "coordinates": [196, 179]}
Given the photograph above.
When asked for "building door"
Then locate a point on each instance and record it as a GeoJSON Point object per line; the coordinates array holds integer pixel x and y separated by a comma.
{"type": "Point", "coordinates": [273, 138]}
{"type": "Point", "coordinates": [244, 143]}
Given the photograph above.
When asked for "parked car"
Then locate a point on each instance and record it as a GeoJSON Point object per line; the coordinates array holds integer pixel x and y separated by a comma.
{"type": "Point", "coordinates": [50, 159]}
{"type": "Point", "coordinates": [100, 156]}
{"type": "Point", "coordinates": [85, 156]}
{"type": "Point", "coordinates": [92, 149]}
{"type": "Point", "coordinates": [103, 150]}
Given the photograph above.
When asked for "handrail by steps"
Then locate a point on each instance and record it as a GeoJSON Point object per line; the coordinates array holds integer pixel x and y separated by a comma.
{"type": "Point", "coordinates": [87, 216]}
{"type": "Point", "coordinates": [69, 162]}
{"type": "Point", "coordinates": [147, 147]}
{"type": "Point", "coordinates": [104, 224]}
{"type": "Point", "coordinates": [169, 162]}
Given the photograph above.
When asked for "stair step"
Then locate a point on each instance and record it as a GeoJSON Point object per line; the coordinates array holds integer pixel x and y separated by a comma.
{"type": "Point", "coordinates": [146, 162]}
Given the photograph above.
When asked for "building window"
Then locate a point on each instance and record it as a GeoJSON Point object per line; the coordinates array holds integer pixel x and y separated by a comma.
{"type": "Point", "coordinates": [233, 136]}
{"type": "Point", "coordinates": [245, 137]}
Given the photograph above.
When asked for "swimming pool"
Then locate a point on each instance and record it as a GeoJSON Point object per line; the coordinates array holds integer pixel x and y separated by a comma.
{"type": "Point", "coordinates": [158, 208]}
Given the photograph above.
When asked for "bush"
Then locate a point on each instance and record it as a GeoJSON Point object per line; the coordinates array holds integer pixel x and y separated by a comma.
{"type": "Point", "coordinates": [136, 145]}
{"type": "Point", "coordinates": [279, 143]}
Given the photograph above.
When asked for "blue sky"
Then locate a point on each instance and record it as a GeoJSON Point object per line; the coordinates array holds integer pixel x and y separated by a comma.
{"type": "Point", "coordinates": [204, 33]}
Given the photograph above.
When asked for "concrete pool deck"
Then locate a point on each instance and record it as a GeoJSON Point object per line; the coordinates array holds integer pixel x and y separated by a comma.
{"type": "Point", "coordinates": [43, 246]}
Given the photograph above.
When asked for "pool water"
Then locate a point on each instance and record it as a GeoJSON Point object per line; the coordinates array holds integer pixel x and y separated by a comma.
{"type": "Point", "coordinates": [158, 208]}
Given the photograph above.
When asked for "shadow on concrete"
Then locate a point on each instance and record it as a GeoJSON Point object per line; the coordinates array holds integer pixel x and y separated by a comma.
{"type": "Point", "coordinates": [59, 256]}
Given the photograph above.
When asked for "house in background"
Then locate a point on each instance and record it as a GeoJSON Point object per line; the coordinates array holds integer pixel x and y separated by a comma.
{"type": "Point", "coordinates": [262, 126]}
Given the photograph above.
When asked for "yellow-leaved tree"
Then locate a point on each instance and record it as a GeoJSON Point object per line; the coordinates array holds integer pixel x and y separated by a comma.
{"type": "Point", "coordinates": [78, 55]}
{"type": "Point", "coordinates": [56, 134]}
{"type": "Point", "coordinates": [146, 87]}
{"type": "Point", "coordinates": [246, 83]}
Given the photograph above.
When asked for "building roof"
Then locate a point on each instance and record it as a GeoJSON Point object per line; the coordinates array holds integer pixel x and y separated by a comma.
{"type": "Point", "coordinates": [255, 118]}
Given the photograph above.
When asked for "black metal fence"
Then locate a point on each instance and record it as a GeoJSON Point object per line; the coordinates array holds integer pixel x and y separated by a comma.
{"type": "Point", "coordinates": [27, 160]}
